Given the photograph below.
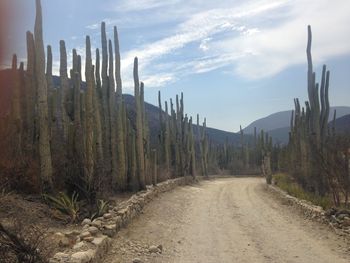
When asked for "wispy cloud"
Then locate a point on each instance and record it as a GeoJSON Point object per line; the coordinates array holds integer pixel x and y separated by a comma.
{"type": "Point", "coordinates": [137, 5]}
{"type": "Point", "coordinates": [201, 28]}
{"type": "Point", "coordinates": [252, 39]}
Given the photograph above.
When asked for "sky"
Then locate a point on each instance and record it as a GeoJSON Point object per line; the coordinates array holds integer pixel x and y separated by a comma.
{"type": "Point", "coordinates": [234, 60]}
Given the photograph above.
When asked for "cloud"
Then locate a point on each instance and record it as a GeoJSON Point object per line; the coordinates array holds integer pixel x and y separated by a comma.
{"type": "Point", "coordinates": [200, 27]}
{"type": "Point", "coordinates": [277, 47]}
{"type": "Point", "coordinates": [138, 5]}
{"type": "Point", "coordinates": [252, 39]}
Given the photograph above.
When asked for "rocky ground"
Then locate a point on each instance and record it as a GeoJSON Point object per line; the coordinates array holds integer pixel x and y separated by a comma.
{"type": "Point", "coordinates": [225, 220]}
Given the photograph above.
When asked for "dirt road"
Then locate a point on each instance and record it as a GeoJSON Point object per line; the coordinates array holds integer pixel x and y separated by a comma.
{"type": "Point", "coordinates": [225, 220]}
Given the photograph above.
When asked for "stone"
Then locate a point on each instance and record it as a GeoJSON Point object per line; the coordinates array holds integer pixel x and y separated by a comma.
{"type": "Point", "coordinates": [85, 234]}
{"type": "Point", "coordinates": [61, 239]}
{"type": "Point", "coordinates": [107, 216]}
{"type": "Point", "coordinates": [88, 239]}
{"type": "Point", "coordinates": [346, 221]}
{"type": "Point", "coordinates": [136, 260]}
{"type": "Point", "coordinates": [153, 249]}
{"type": "Point", "coordinates": [98, 241]}
{"type": "Point", "coordinates": [97, 223]}
{"type": "Point", "coordinates": [109, 230]}
{"type": "Point", "coordinates": [160, 247]}
{"type": "Point", "coordinates": [72, 234]}
{"type": "Point", "coordinates": [83, 256]}
{"type": "Point", "coordinates": [59, 257]}
{"type": "Point", "coordinates": [86, 221]}
{"type": "Point", "coordinates": [93, 230]}
{"type": "Point", "coordinates": [121, 212]}
{"type": "Point", "coordinates": [78, 245]}
{"type": "Point", "coordinates": [342, 216]}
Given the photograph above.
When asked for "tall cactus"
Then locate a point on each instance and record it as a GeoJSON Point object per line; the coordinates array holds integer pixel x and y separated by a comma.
{"type": "Point", "coordinates": [30, 84]}
{"type": "Point", "coordinates": [167, 139]}
{"type": "Point", "coordinates": [89, 76]}
{"type": "Point", "coordinates": [120, 124]}
{"type": "Point", "coordinates": [112, 117]}
{"type": "Point", "coordinates": [139, 129]}
{"type": "Point", "coordinates": [44, 137]}
{"type": "Point", "coordinates": [105, 101]}
{"type": "Point", "coordinates": [16, 106]}
{"type": "Point", "coordinates": [64, 89]}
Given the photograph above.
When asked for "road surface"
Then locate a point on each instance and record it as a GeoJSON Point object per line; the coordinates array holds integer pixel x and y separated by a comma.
{"type": "Point", "coordinates": [225, 220]}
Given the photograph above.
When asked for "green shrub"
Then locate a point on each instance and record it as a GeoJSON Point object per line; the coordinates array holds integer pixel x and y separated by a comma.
{"type": "Point", "coordinates": [287, 184]}
{"type": "Point", "coordinates": [67, 205]}
{"type": "Point", "coordinates": [102, 207]}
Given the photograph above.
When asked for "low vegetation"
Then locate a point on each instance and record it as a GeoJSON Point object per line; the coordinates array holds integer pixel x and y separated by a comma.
{"type": "Point", "coordinates": [286, 183]}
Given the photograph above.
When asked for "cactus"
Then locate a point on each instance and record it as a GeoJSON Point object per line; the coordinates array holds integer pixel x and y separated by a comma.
{"type": "Point", "coordinates": [97, 132]}
{"type": "Point", "coordinates": [139, 129]}
{"type": "Point", "coordinates": [30, 86]}
{"type": "Point", "coordinates": [105, 102]}
{"type": "Point", "coordinates": [16, 107]}
{"type": "Point", "coordinates": [112, 117]}
{"type": "Point", "coordinates": [52, 94]}
{"type": "Point", "coordinates": [44, 137]}
{"type": "Point", "coordinates": [89, 76]}
{"type": "Point", "coordinates": [132, 158]}
{"type": "Point", "coordinates": [64, 89]}
{"type": "Point", "coordinates": [120, 124]}
{"type": "Point", "coordinates": [167, 139]}
{"type": "Point", "coordinates": [155, 168]}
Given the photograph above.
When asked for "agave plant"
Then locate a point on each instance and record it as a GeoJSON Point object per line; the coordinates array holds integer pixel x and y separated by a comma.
{"type": "Point", "coordinates": [65, 204]}
{"type": "Point", "coordinates": [102, 207]}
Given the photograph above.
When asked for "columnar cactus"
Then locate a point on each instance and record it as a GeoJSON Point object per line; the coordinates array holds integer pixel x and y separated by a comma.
{"type": "Point", "coordinates": [105, 101]}
{"type": "Point", "coordinates": [64, 89]}
{"type": "Point", "coordinates": [30, 84]}
{"type": "Point", "coordinates": [167, 139]}
{"type": "Point", "coordinates": [120, 124]}
{"type": "Point", "coordinates": [44, 133]}
{"type": "Point", "coordinates": [89, 76]}
{"type": "Point", "coordinates": [16, 106]}
{"type": "Point", "coordinates": [139, 129]}
{"type": "Point", "coordinates": [112, 117]}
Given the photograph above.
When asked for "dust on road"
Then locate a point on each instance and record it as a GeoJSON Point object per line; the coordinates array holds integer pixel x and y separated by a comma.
{"type": "Point", "coordinates": [225, 220]}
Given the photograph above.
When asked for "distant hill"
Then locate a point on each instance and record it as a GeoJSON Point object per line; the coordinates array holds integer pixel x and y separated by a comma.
{"type": "Point", "coordinates": [281, 135]}
{"type": "Point", "coordinates": [278, 124]}
{"type": "Point", "coordinates": [342, 124]}
{"type": "Point", "coordinates": [282, 119]}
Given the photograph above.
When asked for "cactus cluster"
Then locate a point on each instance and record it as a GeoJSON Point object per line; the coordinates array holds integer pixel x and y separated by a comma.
{"type": "Point", "coordinates": [177, 151]}
{"type": "Point", "coordinates": [309, 129]}
{"type": "Point", "coordinates": [316, 156]}
{"type": "Point", "coordinates": [81, 133]}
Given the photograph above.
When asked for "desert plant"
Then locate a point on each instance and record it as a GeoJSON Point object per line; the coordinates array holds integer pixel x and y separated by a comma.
{"type": "Point", "coordinates": [101, 208]}
{"type": "Point", "coordinates": [66, 204]}
{"type": "Point", "coordinates": [17, 245]}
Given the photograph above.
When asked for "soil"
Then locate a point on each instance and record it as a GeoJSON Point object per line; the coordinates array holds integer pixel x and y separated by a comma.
{"type": "Point", "coordinates": [225, 220]}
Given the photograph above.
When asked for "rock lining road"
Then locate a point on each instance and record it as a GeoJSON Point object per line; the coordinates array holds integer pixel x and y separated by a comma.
{"type": "Point", "coordinates": [226, 220]}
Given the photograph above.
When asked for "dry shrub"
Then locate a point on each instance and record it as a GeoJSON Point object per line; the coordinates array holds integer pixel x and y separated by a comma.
{"type": "Point", "coordinates": [22, 244]}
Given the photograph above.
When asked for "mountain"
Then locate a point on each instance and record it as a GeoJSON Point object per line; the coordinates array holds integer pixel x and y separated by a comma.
{"type": "Point", "coordinates": [281, 119]}
{"type": "Point", "coordinates": [342, 124]}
